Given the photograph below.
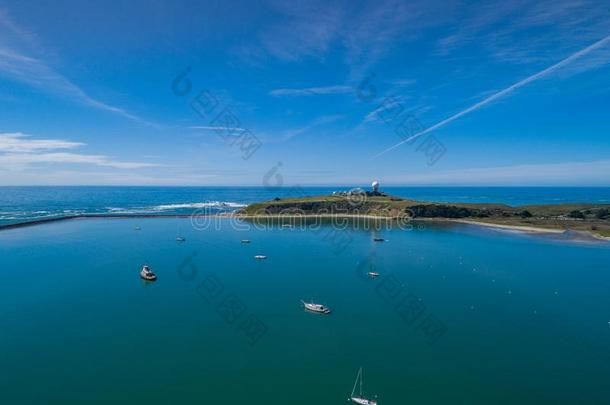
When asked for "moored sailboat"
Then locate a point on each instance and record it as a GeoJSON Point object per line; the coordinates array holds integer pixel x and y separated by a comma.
{"type": "Point", "coordinates": [319, 308]}
{"type": "Point", "coordinates": [359, 399]}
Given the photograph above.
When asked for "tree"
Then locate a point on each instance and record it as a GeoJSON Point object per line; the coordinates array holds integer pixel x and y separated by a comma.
{"type": "Point", "coordinates": [602, 214]}
{"type": "Point", "coordinates": [576, 214]}
{"type": "Point", "coordinates": [525, 214]}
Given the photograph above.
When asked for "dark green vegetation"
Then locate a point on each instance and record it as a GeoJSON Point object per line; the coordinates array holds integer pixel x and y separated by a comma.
{"type": "Point", "coordinates": [578, 217]}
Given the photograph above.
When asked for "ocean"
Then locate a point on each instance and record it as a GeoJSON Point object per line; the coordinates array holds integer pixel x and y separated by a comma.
{"type": "Point", "coordinates": [20, 204]}
{"type": "Point", "coordinates": [459, 314]}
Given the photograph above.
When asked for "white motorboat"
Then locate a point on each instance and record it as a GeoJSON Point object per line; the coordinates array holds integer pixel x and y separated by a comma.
{"type": "Point", "coordinates": [260, 257]}
{"type": "Point", "coordinates": [318, 308]}
{"type": "Point", "coordinates": [359, 399]}
{"type": "Point", "coordinates": [373, 274]}
{"type": "Point", "coordinates": [180, 239]}
{"type": "Point", "coordinates": [245, 241]}
{"type": "Point", "coordinates": [147, 274]}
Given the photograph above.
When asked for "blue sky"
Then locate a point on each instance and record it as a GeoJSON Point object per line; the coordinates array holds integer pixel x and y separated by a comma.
{"type": "Point", "coordinates": [513, 92]}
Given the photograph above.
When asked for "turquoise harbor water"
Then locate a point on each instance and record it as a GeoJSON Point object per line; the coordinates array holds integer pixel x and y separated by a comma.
{"type": "Point", "coordinates": [522, 319]}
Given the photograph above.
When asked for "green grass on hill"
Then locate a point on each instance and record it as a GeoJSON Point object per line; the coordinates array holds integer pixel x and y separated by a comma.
{"type": "Point", "coordinates": [582, 217]}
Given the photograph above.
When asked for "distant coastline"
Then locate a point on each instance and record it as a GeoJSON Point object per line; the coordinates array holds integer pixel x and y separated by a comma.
{"type": "Point", "coordinates": [580, 220]}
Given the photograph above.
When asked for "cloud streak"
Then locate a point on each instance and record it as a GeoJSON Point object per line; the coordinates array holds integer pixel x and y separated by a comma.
{"type": "Point", "coordinates": [543, 73]}
{"type": "Point", "coordinates": [306, 29]}
{"type": "Point", "coordinates": [18, 142]}
{"type": "Point", "coordinates": [337, 89]}
{"type": "Point", "coordinates": [216, 128]}
{"type": "Point", "coordinates": [26, 159]}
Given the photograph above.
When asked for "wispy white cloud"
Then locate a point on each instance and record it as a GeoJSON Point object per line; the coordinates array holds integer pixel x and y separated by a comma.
{"type": "Point", "coordinates": [336, 89]}
{"type": "Point", "coordinates": [17, 63]}
{"type": "Point", "coordinates": [306, 29]}
{"type": "Point", "coordinates": [19, 160]}
{"type": "Point", "coordinates": [475, 21]}
{"type": "Point", "coordinates": [18, 142]}
{"type": "Point", "coordinates": [403, 82]}
{"type": "Point", "coordinates": [18, 151]}
{"type": "Point", "coordinates": [365, 32]}
{"type": "Point", "coordinates": [386, 104]}
{"type": "Point", "coordinates": [518, 31]}
{"type": "Point", "coordinates": [523, 31]}
{"type": "Point", "coordinates": [379, 26]}
{"type": "Point", "coordinates": [537, 76]}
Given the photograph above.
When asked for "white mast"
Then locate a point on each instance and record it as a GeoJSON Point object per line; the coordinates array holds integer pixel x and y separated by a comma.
{"type": "Point", "coordinates": [356, 383]}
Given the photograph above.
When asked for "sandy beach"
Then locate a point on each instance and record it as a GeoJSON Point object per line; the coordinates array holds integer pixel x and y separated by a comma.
{"type": "Point", "coordinates": [526, 229]}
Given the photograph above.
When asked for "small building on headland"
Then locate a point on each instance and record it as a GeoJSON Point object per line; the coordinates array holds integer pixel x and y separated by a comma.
{"type": "Point", "coordinates": [354, 191]}
{"type": "Point", "coordinates": [375, 189]}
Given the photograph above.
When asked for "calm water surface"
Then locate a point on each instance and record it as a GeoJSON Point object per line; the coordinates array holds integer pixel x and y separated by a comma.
{"type": "Point", "coordinates": [526, 318]}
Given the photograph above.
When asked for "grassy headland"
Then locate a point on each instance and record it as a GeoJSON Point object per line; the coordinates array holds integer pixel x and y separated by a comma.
{"type": "Point", "coordinates": [590, 218]}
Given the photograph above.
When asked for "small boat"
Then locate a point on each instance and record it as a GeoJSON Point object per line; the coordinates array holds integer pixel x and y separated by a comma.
{"type": "Point", "coordinates": [379, 239]}
{"type": "Point", "coordinates": [137, 228]}
{"type": "Point", "coordinates": [179, 238]}
{"type": "Point", "coordinates": [147, 274]}
{"type": "Point", "coordinates": [245, 241]}
{"type": "Point", "coordinates": [260, 257]}
{"type": "Point", "coordinates": [373, 274]}
{"type": "Point", "coordinates": [359, 399]}
{"type": "Point", "coordinates": [318, 308]}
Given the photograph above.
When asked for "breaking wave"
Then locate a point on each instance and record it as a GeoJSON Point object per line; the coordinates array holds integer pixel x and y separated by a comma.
{"type": "Point", "coordinates": [220, 205]}
{"type": "Point", "coordinates": [210, 204]}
